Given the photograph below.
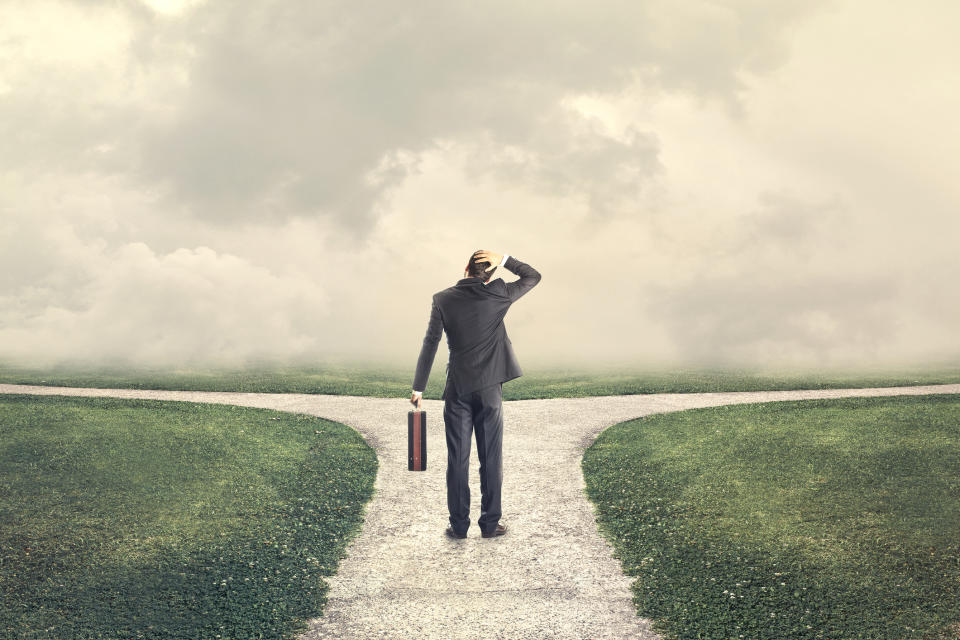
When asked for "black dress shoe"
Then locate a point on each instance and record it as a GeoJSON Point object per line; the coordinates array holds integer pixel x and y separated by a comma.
{"type": "Point", "coordinates": [499, 531]}
{"type": "Point", "coordinates": [453, 534]}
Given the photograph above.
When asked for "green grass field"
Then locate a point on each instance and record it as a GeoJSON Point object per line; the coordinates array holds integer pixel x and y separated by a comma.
{"type": "Point", "coordinates": [145, 519]}
{"type": "Point", "coordinates": [365, 379]}
{"type": "Point", "coordinates": [814, 519]}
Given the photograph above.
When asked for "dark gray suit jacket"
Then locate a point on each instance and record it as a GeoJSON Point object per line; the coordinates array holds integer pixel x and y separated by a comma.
{"type": "Point", "coordinates": [472, 314]}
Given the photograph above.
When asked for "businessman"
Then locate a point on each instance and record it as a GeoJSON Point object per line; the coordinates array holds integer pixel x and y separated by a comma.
{"type": "Point", "coordinates": [481, 359]}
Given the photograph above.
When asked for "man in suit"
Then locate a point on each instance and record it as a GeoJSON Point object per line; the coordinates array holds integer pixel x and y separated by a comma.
{"type": "Point", "coordinates": [481, 359]}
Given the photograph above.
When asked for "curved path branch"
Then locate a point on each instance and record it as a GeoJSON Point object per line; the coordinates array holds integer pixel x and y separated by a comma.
{"type": "Point", "coordinates": [551, 576]}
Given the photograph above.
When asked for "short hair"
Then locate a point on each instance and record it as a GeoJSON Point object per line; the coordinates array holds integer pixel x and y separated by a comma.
{"type": "Point", "coordinates": [478, 269]}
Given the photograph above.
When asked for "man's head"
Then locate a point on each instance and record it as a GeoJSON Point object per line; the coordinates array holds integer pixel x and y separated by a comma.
{"type": "Point", "coordinates": [477, 269]}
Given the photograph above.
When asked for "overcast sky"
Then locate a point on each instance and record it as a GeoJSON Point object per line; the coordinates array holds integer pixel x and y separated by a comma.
{"type": "Point", "coordinates": [727, 181]}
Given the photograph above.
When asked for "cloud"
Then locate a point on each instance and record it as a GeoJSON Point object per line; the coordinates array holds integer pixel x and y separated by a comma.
{"type": "Point", "coordinates": [134, 306]}
{"type": "Point", "coordinates": [708, 181]}
{"type": "Point", "coordinates": [237, 112]}
{"type": "Point", "coordinates": [800, 282]}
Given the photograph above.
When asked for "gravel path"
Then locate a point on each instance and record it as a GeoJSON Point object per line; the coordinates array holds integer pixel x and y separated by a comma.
{"type": "Point", "coordinates": [551, 576]}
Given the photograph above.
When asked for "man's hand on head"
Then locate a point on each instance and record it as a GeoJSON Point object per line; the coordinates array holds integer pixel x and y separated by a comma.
{"type": "Point", "coordinates": [488, 256]}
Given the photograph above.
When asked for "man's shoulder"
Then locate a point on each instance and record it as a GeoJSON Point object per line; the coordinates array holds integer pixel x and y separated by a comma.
{"type": "Point", "coordinates": [443, 294]}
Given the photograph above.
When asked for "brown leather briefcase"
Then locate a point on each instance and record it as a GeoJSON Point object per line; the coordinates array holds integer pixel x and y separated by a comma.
{"type": "Point", "coordinates": [417, 440]}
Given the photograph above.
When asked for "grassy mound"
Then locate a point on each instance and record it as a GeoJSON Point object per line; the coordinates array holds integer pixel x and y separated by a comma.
{"type": "Point", "coordinates": [813, 519]}
{"type": "Point", "coordinates": [145, 519]}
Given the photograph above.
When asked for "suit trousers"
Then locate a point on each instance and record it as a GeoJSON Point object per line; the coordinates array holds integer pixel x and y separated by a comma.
{"type": "Point", "coordinates": [480, 411]}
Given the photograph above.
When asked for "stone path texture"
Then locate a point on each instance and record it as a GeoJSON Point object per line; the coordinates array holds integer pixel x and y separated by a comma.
{"type": "Point", "coordinates": [551, 576]}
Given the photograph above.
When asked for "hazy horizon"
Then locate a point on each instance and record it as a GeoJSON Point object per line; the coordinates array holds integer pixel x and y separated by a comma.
{"type": "Point", "coordinates": [713, 183]}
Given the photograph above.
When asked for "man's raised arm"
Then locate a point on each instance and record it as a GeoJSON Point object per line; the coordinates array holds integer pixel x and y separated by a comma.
{"type": "Point", "coordinates": [529, 277]}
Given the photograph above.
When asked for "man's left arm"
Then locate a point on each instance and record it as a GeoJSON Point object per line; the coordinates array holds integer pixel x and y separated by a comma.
{"type": "Point", "coordinates": [427, 353]}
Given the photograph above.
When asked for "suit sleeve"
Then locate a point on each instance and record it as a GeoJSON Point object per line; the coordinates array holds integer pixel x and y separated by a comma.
{"type": "Point", "coordinates": [429, 349]}
{"type": "Point", "coordinates": [529, 277]}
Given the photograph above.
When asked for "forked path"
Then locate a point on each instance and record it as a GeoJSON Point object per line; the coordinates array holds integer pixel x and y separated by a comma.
{"type": "Point", "coordinates": [551, 576]}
